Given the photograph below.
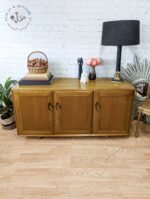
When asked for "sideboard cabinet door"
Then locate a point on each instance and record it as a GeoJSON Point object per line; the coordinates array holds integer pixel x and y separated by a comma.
{"type": "Point", "coordinates": [73, 112]}
{"type": "Point", "coordinates": [34, 112]}
{"type": "Point", "coordinates": [112, 111]}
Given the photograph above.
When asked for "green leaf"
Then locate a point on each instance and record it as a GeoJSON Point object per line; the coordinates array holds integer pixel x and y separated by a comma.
{"type": "Point", "coordinates": [7, 101]}
{"type": "Point", "coordinates": [6, 105]}
{"type": "Point", "coordinates": [9, 82]}
{"type": "Point", "coordinates": [1, 101]}
{"type": "Point", "coordinates": [8, 92]}
{"type": "Point", "coordinates": [1, 88]}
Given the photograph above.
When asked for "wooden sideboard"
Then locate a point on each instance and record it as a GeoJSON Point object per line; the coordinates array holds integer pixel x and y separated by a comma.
{"type": "Point", "coordinates": [69, 108]}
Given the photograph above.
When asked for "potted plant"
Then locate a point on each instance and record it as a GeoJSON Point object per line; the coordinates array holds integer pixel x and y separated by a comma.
{"type": "Point", "coordinates": [7, 118]}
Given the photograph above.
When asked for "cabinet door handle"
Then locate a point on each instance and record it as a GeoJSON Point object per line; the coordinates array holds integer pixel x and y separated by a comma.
{"type": "Point", "coordinates": [97, 106]}
{"type": "Point", "coordinates": [50, 106]}
{"type": "Point", "coordinates": [58, 106]}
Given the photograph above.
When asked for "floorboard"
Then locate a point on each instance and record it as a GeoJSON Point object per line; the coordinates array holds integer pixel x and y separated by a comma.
{"type": "Point", "coordinates": [75, 168]}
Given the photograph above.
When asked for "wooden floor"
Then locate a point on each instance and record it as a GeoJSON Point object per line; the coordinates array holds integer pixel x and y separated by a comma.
{"type": "Point", "coordinates": [74, 168]}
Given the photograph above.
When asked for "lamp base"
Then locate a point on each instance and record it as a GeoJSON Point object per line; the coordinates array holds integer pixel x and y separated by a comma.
{"type": "Point", "coordinates": [117, 77]}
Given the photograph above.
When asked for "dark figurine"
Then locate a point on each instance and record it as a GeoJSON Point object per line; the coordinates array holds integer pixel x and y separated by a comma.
{"type": "Point", "coordinates": [80, 64]}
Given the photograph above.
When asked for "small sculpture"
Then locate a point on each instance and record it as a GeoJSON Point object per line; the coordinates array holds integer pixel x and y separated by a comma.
{"type": "Point", "coordinates": [80, 64]}
{"type": "Point", "coordinates": [84, 78]}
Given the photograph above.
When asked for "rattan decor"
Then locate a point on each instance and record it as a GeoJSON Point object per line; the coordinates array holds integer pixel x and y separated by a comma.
{"type": "Point", "coordinates": [37, 65]}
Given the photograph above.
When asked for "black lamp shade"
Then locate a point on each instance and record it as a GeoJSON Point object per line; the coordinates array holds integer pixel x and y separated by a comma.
{"type": "Point", "coordinates": [121, 33]}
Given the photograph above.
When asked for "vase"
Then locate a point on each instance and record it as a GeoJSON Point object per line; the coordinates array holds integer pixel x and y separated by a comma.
{"type": "Point", "coordinates": [92, 74]}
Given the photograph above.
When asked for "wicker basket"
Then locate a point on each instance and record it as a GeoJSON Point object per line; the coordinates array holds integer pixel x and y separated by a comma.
{"type": "Point", "coordinates": [37, 65]}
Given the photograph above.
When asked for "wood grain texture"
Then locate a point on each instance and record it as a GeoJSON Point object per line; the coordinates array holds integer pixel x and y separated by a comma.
{"type": "Point", "coordinates": [84, 168]}
{"type": "Point", "coordinates": [75, 113]}
{"type": "Point", "coordinates": [144, 109]}
{"type": "Point", "coordinates": [32, 112]}
{"type": "Point", "coordinates": [113, 112]}
{"type": "Point", "coordinates": [74, 84]}
{"type": "Point", "coordinates": [73, 108]}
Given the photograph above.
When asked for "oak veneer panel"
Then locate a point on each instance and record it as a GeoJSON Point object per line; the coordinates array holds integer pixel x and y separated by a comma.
{"type": "Point", "coordinates": [75, 114]}
{"type": "Point", "coordinates": [114, 112]}
{"type": "Point", "coordinates": [32, 114]}
{"type": "Point", "coordinates": [74, 84]}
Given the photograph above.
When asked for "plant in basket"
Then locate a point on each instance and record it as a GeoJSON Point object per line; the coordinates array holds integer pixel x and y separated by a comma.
{"type": "Point", "coordinates": [37, 65]}
{"type": "Point", "coordinates": [93, 62]}
{"type": "Point", "coordinates": [6, 105]}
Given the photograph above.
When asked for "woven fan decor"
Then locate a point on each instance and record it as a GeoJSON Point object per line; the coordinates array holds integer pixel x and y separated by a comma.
{"type": "Point", "coordinates": [37, 65]}
{"type": "Point", "coordinates": [138, 74]}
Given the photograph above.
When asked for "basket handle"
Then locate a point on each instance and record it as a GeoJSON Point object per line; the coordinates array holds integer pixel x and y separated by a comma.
{"type": "Point", "coordinates": [37, 52]}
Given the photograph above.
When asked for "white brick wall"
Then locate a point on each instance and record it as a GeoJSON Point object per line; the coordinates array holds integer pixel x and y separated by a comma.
{"type": "Point", "coordinates": [66, 30]}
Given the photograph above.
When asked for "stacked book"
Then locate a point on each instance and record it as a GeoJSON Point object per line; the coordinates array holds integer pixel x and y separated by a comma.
{"type": "Point", "coordinates": [37, 79]}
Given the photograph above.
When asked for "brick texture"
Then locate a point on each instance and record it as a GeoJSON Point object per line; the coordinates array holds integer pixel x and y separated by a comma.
{"type": "Point", "coordinates": [66, 30]}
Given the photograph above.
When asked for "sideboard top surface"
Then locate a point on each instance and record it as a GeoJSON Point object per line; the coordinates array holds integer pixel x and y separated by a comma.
{"type": "Point", "coordinates": [74, 84]}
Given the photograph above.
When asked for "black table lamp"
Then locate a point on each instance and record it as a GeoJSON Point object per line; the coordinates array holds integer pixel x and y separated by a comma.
{"type": "Point", "coordinates": [120, 33]}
